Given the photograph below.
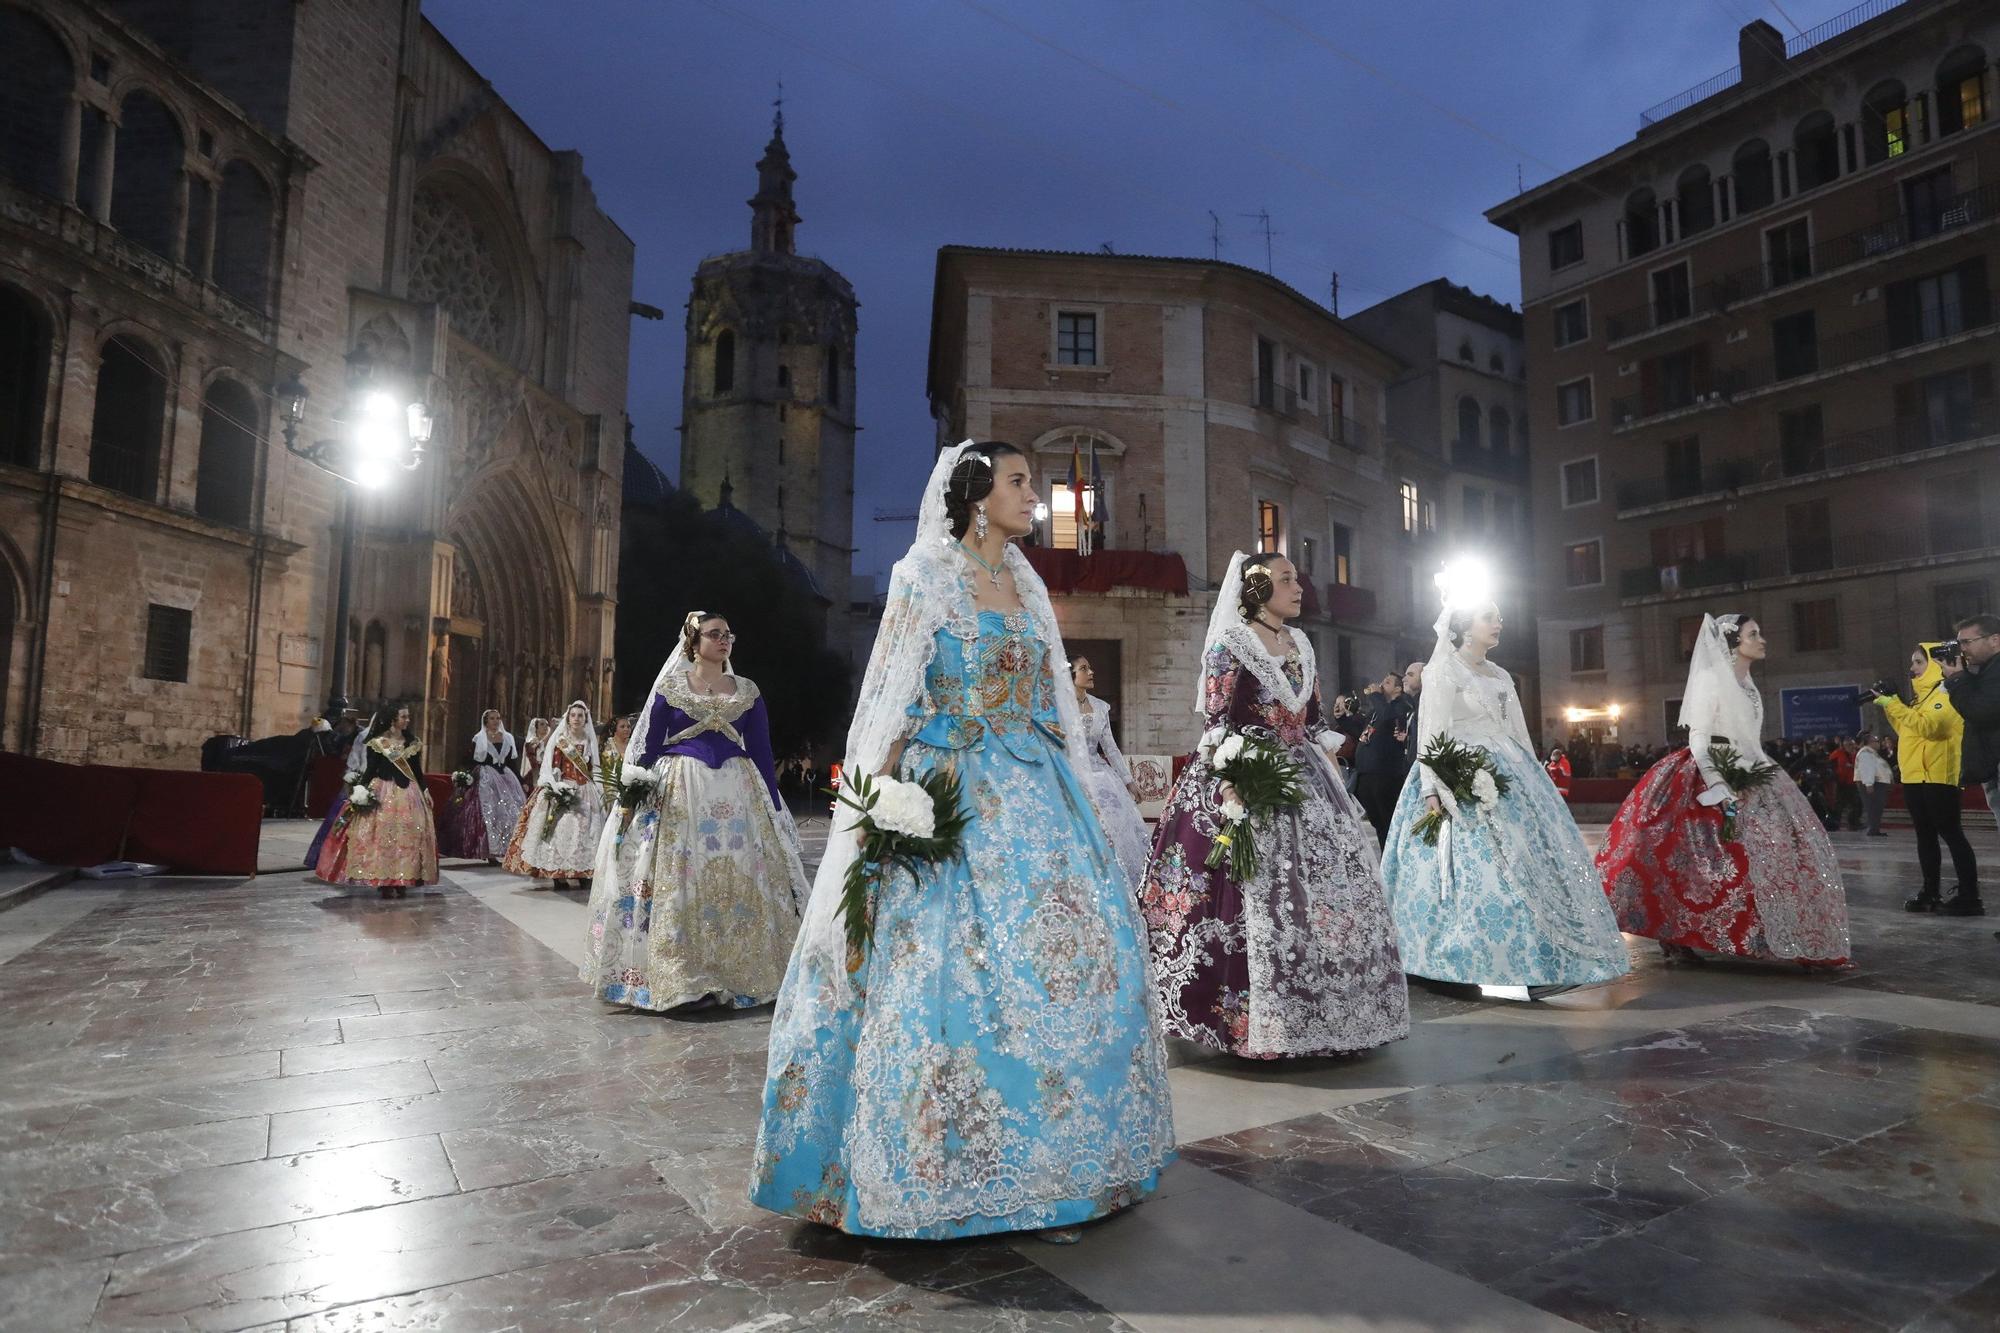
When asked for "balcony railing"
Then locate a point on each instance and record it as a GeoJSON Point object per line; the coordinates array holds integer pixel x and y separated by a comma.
{"type": "Point", "coordinates": [1885, 236]}
{"type": "Point", "coordinates": [1804, 41]}
{"type": "Point", "coordinates": [1820, 554]}
{"type": "Point", "coordinates": [1352, 434]}
{"type": "Point", "coordinates": [1643, 491]}
{"type": "Point", "coordinates": [123, 468]}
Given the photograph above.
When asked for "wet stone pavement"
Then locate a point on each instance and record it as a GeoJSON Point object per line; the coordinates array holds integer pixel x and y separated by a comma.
{"type": "Point", "coordinates": [274, 1105]}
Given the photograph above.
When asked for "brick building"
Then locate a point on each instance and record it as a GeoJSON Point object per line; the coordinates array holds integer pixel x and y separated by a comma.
{"type": "Point", "coordinates": [1761, 350]}
{"type": "Point", "coordinates": [1226, 411]}
{"type": "Point", "coordinates": [200, 202]}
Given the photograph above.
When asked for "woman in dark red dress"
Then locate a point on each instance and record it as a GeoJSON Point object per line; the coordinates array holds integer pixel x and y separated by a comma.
{"type": "Point", "coordinates": [1697, 866]}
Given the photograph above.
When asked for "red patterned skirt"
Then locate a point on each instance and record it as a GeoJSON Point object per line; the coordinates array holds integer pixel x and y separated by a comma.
{"type": "Point", "coordinates": [1773, 892]}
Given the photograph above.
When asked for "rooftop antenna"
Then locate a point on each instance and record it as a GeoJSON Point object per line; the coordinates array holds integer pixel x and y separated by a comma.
{"type": "Point", "coordinates": [778, 121]}
{"type": "Point", "coordinates": [1335, 307]}
{"type": "Point", "coordinates": [1263, 219]}
{"type": "Point", "coordinates": [1214, 235]}
{"type": "Point", "coordinates": [1519, 188]}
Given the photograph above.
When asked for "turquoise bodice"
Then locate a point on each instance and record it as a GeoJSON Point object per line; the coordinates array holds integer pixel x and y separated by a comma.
{"type": "Point", "coordinates": [996, 685]}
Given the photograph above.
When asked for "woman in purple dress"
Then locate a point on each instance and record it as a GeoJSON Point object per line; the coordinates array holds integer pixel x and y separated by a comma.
{"type": "Point", "coordinates": [699, 885]}
{"type": "Point", "coordinates": [480, 819]}
{"type": "Point", "coordinates": [1300, 959]}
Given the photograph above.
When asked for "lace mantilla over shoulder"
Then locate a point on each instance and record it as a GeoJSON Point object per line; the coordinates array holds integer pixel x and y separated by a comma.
{"type": "Point", "coordinates": [1244, 645]}
{"type": "Point", "coordinates": [679, 692]}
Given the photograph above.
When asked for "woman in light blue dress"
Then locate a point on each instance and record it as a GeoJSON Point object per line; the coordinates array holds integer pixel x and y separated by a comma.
{"type": "Point", "coordinates": [990, 1062]}
{"type": "Point", "coordinates": [1508, 899]}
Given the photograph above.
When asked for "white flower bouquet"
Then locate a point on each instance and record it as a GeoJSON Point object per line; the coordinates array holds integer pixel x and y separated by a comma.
{"type": "Point", "coordinates": [901, 823]}
{"type": "Point", "coordinates": [1467, 772]}
{"type": "Point", "coordinates": [1263, 779]}
{"type": "Point", "coordinates": [1739, 777]}
{"type": "Point", "coordinates": [559, 798]}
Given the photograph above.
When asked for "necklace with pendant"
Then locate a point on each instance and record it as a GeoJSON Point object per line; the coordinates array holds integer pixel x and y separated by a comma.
{"type": "Point", "coordinates": [992, 571]}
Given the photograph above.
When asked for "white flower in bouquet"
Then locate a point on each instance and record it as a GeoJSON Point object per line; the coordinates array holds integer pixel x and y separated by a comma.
{"type": "Point", "coordinates": [1228, 752]}
{"type": "Point", "coordinates": [1209, 740]}
{"type": "Point", "coordinates": [1233, 810]}
{"type": "Point", "coordinates": [1483, 788]}
{"type": "Point", "coordinates": [903, 807]}
{"type": "Point", "coordinates": [359, 796]}
{"type": "Point", "coordinates": [632, 773]}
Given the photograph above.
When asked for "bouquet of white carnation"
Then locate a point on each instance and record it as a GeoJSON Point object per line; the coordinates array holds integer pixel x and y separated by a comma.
{"type": "Point", "coordinates": [1263, 780]}
{"type": "Point", "coordinates": [559, 798]}
{"type": "Point", "coordinates": [360, 800]}
{"type": "Point", "coordinates": [1467, 773]}
{"type": "Point", "coordinates": [901, 824]}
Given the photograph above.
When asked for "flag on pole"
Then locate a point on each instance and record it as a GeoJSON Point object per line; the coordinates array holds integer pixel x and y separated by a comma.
{"type": "Point", "coordinates": [1096, 497]}
{"type": "Point", "coordinates": [1076, 485]}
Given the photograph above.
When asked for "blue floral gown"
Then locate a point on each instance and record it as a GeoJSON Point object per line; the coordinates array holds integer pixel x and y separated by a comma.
{"type": "Point", "coordinates": [993, 1063]}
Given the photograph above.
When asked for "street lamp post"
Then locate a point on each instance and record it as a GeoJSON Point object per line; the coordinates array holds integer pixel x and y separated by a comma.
{"type": "Point", "coordinates": [380, 430]}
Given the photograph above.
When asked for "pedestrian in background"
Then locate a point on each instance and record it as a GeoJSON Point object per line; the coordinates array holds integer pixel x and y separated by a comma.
{"type": "Point", "coordinates": [1974, 685]}
{"type": "Point", "coordinates": [1931, 730]}
{"type": "Point", "coordinates": [1874, 777]}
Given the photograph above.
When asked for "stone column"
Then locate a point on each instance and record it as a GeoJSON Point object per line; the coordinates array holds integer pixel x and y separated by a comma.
{"type": "Point", "coordinates": [202, 260]}
{"type": "Point", "coordinates": [72, 150]}
{"type": "Point", "coordinates": [177, 248]}
{"type": "Point", "coordinates": [1724, 188]}
{"type": "Point", "coordinates": [106, 165]}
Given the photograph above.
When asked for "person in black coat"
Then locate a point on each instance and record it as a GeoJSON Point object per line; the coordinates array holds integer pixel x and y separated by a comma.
{"type": "Point", "coordinates": [1972, 679]}
{"type": "Point", "coordinates": [1378, 762]}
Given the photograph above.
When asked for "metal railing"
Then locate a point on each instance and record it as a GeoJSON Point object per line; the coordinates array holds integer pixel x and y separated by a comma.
{"type": "Point", "coordinates": [123, 468]}
{"type": "Point", "coordinates": [1804, 41]}
{"type": "Point", "coordinates": [1821, 554]}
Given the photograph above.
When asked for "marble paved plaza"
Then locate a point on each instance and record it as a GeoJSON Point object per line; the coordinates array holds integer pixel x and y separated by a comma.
{"type": "Point", "coordinates": [273, 1105]}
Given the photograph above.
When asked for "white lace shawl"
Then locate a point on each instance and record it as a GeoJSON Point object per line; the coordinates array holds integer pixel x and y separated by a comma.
{"type": "Point", "coordinates": [485, 751]}
{"type": "Point", "coordinates": [560, 733]}
{"type": "Point", "coordinates": [1717, 704]}
{"type": "Point", "coordinates": [1103, 742]}
{"type": "Point", "coordinates": [930, 589]}
{"type": "Point", "coordinates": [1455, 689]}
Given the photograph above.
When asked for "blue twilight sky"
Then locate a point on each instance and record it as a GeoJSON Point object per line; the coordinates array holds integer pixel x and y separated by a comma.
{"type": "Point", "coordinates": [1035, 123]}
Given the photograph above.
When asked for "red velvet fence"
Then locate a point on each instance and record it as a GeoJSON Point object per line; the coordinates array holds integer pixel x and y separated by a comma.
{"type": "Point", "coordinates": [82, 815]}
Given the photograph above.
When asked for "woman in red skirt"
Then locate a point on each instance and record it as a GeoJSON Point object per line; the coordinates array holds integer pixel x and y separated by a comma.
{"type": "Point", "coordinates": [1705, 856]}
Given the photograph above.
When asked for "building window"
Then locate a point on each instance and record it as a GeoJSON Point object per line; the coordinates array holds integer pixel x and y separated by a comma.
{"type": "Point", "coordinates": [1944, 409]}
{"type": "Point", "coordinates": [1579, 482]}
{"type": "Point", "coordinates": [1816, 625]}
{"type": "Point", "coordinates": [1928, 198]}
{"type": "Point", "coordinates": [1788, 252]}
{"type": "Point", "coordinates": [1961, 94]}
{"type": "Point", "coordinates": [1687, 633]}
{"type": "Point", "coordinates": [1076, 338]}
{"type": "Point", "coordinates": [1474, 508]}
{"type": "Point", "coordinates": [1952, 504]}
{"type": "Point", "coordinates": [1343, 670]}
{"type": "Point", "coordinates": [830, 377]}
{"type": "Point", "coordinates": [1795, 345]}
{"type": "Point", "coordinates": [1816, 146]}
{"type": "Point", "coordinates": [1673, 294]}
{"type": "Point", "coordinates": [1954, 602]}
{"type": "Point", "coordinates": [1408, 492]}
{"type": "Point", "coordinates": [1343, 554]}
{"type": "Point", "coordinates": [1465, 351]}
{"type": "Point", "coordinates": [784, 377]}
{"type": "Point", "coordinates": [1506, 520]}
{"type": "Point", "coordinates": [1885, 122]}
{"type": "Point", "coordinates": [1573, 404]}
{"type": "Point", "coordinates": [1469, 417]}
{"type": "Point", "coordinates": [1809, 537]}
{"type": "Point", "coordinates": [725, 362]}
{"type": "Point", "coordinates": [1062, 513]}
{"type": "Point", "coordinates": [1572, 323]}
{"type": "Point", "coordinates": [1267, 373]}
{"type": "Point", "coordinates": [1496, 363]}
{"type": "Point", "coordinates": [1586, 649]}
{"type": "Point", "coordinates": [1679, 378]}
{"type": "Point", "coordinates": [1499, 431]}
{"type": "Point", "coordinates": [227, 466]}
{"type": "Point", "coordinates": [1750, 175]}
{"type": "Point", "coordinates": [1430, 515]}
{"type": "Point", "coordinates": [1308, 557]}
{"type": "Point", "coordinates": [1583, 564]}
{"type": "Point", "coordinates": [1801, 441]}
{"type": "Point", "coordinates": [1306, 387]}
{"type": "Point", "coordinates": [127, 419]}
{"type": "Point", "coordinates": [1566, 246]}
{"type": "Point", "coordinates": [1270, 526]}
{"type": "Point", "coordinates": [1938, 305]}
{"type": "Point", "coordinates": [1642, 224]}
{"type": "Point", "coordinates": [1694, 200]}
{"type": "Point", "coordinates": [1683, 467]}
{"type": "Point", "coordinates": [169, 629]}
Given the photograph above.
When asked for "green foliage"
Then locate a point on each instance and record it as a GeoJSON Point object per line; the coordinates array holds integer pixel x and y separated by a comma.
{"type": "Point", "coordinates": [882, 849]}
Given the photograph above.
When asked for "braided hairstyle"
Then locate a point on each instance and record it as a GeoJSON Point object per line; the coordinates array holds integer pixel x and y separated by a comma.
{"type": "Point", "coordinates": [971, 481]}
{"type": "Point", "coordinates": [1258, 585]}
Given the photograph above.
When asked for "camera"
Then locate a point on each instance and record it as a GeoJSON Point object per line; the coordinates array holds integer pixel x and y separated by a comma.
{"type": "Point", "coordinates": [1888, 685]}
{"type": "Point", "coordinates": [1945, 652]}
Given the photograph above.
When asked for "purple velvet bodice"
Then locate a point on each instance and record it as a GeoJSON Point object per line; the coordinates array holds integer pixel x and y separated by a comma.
{"type": "Point", "coordinates": [712, 748]}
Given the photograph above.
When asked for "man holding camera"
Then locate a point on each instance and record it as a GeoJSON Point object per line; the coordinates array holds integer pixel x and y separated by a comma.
{"type": "Point", "coordinates": [1973, 682]}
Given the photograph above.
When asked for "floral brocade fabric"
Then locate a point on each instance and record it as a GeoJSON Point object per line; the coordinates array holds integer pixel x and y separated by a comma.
{"type": "Point", "coordinates": [1301, 959]}
{"type": "Point", "coordinates": [991, 1062]}
{"type": "Point", "coordinates": [1774, 893]}
{"type": "Point", "coordinates": [569, 849]}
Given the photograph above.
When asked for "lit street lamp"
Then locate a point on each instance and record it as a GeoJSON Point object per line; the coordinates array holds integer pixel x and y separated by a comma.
{"type": "Point", "coordinates": [379, 432]}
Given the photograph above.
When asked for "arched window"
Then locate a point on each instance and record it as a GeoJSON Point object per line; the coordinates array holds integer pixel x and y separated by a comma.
{"type": "Point", "coordinates": [24, 378]}
{"type": "Point", "coordinates": [146, 175]}
{"type": "Point", "coordinates": [1694, 196]}
{"type": "Point", "coordinates": [243, 236]}
{"type": "Point", "coordinates": [1750, 171]}
{"type": "Point", "coordinates": [1642, 223]}
{"type": "Point", "coordinates": [226, 471]}
{"type": "Point", "coordinates": [832, 380]}
{"type": "Point", "coordinates": [127, 419]}
{"type": "Point", "coordinates": [1885, 122]}
{"type": "Point", "coordinates": [1500, 430]}
{"type": "Point", "coordinates": [1468, 423]}
{"type": "Point", "coordinates": [1816, 148]}
{"type": "Point", "coordinates": [725, 362]}
{"type": "Point", "coordinates": [1961, 91]}
{"type": "Point", "coordinates": [458, 258]}
{"type": "Point", "coordinates": [35, 79]}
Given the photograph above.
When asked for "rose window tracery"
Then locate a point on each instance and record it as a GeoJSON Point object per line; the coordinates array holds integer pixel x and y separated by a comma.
{"type": "Point", "coordinates": [453, 262]}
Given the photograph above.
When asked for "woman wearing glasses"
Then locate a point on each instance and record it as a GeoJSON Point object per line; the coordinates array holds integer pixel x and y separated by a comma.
{"type": "Point", "coordinates": [699, 883]}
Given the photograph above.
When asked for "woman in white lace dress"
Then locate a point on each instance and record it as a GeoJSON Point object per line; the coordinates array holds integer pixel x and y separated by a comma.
{"type": "Point", "coordinates": [1300, 958]}
{"type": "Point", "coordinates": [557, 836]}
{"type": "Point", "coordinates": [1507, 898]}
{"type": "Point", "coordinates": [1110, 778]}
{"type": "Point", "coordinates": [699, 886]}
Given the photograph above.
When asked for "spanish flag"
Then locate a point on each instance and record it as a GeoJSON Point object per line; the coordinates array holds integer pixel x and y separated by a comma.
{"type": "Point", "coordinates": [1077, 481]}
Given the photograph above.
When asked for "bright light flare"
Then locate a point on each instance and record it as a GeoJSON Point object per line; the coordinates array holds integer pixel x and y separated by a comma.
{"type": "Point", "coordinates": [1464, 583]}
{"type": "Point", "coordinates": [371, 474]}
{"type": "Point", "coordinates": [1041, 513]}
{"type": "Point", "coordinates": [379, 405]}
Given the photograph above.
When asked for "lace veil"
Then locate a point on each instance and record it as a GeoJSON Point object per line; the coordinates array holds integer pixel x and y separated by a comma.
{"type": "Point", "coordinates": [677, 664]}
{"type": "Point", "coordinates": [484, 750]}
{"type": "Point", "coordinates": [561, 732]}
{"type": "Point", "coordinates": [928, 592]}
{"type": "Point", "coordinates": [1714, 701]}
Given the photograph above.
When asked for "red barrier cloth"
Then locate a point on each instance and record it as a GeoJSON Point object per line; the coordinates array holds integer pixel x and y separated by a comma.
{"type": "Point", "coordinates": [1601, 791]}
{"type": "Point", "coordinates": [439, 786]}
{"type": "Point", "coordinates": [1067, 572]}
{"type": "Point", "coordinates": [323, 774]}
{"type": "Point", "coordinates": [196, 823]}
{"type": "Point", "coordinates": [51, 811]}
